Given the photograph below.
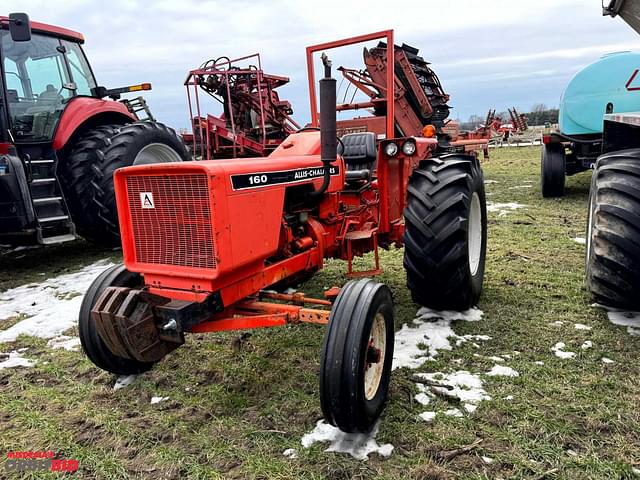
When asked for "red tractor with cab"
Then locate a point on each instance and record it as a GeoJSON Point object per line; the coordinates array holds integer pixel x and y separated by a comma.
{"type": "Point", "coordinates": [205, 241]}
{"type": "Point", "coordinates": [62, 137]}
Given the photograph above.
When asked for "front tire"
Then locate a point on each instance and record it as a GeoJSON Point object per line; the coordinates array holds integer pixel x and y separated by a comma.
{"type": "Point", "coordinates": [92, 344]}
{"type": "Point", "coordinates": [355, 368]}
{"type": "Point", "coordinates": [613, 231]}
{"type": "Point", "coordinates": [552, 170]}
{"type": "Point", "coordinates": [445, 234]}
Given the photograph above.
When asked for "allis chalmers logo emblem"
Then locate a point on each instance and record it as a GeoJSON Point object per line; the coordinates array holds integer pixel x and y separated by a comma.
{"type": "Point", "coordinates": [146, 200]}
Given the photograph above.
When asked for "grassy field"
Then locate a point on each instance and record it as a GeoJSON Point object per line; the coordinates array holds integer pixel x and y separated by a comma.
{"type": "Point", "coordinates": [233, 410]}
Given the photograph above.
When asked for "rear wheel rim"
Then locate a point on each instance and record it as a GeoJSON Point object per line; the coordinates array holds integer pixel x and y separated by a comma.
{"type": "Point", "coordinates": [156, 153]}
{"type": "Point", "coordinates": [375, 356]}
{"type": "Point", "coordinates": [475, 234]}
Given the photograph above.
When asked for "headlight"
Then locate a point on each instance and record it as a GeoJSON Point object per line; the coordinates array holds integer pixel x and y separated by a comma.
{"type": "Point", "coordinates": [391, 149]}
{"type": "Point", "coordinates": [409, 148]}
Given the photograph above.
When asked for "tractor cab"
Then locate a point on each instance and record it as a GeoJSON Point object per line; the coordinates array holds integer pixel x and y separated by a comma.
{"type": "Point", "coordinates": [58, 135]}
{"type": "Point", "coordinates": [41, 75]}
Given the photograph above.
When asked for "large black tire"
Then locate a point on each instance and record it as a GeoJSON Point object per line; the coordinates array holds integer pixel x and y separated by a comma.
{"type": "Point", "coordinates": [76, 174]}
{"type": "Point", "coordinates": [354, 383]}
{"type": "Point", "coordinates": [92, 344]}
{"type": "Point", "coordinates": [88, 172]}
{"type": "Point", "coordinates": [613, 231]}
{"type": "Point", "coordinates": [552, 170]}
{"type": "Point", "coordinates": [445, 238]}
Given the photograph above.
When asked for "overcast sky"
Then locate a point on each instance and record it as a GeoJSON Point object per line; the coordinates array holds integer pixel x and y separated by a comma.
{"type": "Point", "coordinates": [488, 54]}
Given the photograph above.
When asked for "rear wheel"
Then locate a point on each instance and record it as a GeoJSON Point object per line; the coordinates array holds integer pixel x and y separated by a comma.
{"type": "Point", "coordinates": [613, 231]}
{"type": "Point", "coordinates": [355, 368]}
{"type": "Point", "coordinates": [92, 162]}
{"type": "Point", "coordinates": [445, 234]}
{"type": "Point", "coordinates": [92, 344]}
{"type": "Point", "coordinates": [552, 170]}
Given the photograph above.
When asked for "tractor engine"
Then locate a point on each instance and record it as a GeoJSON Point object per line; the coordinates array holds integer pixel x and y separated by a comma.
{"type": "Point", "coordinates": [197, 228]}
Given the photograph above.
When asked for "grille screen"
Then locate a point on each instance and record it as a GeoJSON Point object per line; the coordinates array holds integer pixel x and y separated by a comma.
{"type": "Point", "coordinates": [171, 220]}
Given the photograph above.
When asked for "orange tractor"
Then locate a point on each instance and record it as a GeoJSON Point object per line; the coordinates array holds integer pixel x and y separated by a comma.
{"type": "Point", "coordinates": [202, 242]}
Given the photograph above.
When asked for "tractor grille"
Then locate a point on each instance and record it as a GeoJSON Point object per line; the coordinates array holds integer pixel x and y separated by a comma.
{"type": "Point", "coordinates": [173, 225]}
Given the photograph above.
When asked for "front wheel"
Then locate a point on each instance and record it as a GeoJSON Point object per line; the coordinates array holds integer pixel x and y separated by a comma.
{"type": "Point", "coordinates": [445, 237]}
{"type": "Point", "coordinates": [355, 368]}
{"type": "Point", "coordinates": [92, 344]}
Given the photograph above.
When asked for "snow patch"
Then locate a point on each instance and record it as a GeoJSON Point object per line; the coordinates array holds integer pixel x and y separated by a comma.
{"type": "Point", "coordinates": [124, 381]}
{"type": "Point", "coordinates": [155, 400]}
{"type": "Point", "coordinates": [502, 371]}
{"type": "Point", "coordinates": [427, 416]}
{"type": "Point", "coordinates": [15, 359]}
{"type": "Point", "coordinates": [558, 349]}
{"type": "Point", "coordinates": [581, 326]}
{"type": "Point", "coordinates": [580, 240]}
{"type": "Point", "coordinates": [290, 453]}
{"type": "Point", "coordinates": [417, 344]}
{"type": "Point", "coordinates": [515, 187]}
{"type": "Point", "coordinates": [607, 360]}
{"type": "Point", "coordinates": [586, 345]}
{"type": "Point", "coordinates": [64, 341]}
{"type": "Point", "coordinates": [503, 209]}
{"type": "Point", "coordinates": [51, 306]}
{"type": "Point", "coordinates": [462, 385]}
{"type": "Point", "coordinates": [358, 445]}
{"type": "Point", "coordinates": [631, 320]}
{"type": "Point", "coordinates": [487, 460]}
{"type": "Point", "coordinates": [453, 412]}
{"type": "Point", "coordinates": [508, 397]}
{"type": "Point", "coordinates": [557, 323]}
{"type": "Point", "coordinates": [539, 362]}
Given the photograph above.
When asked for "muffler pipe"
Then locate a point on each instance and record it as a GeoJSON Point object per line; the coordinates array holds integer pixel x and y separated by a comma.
{"type": "Point", "coordinates": [328, 129]}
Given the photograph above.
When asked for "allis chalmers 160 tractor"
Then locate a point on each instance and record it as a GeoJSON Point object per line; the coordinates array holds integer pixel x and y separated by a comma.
{"type": "Point", "coordinates": [202, 241]}
{"type": "Point", "coordinates": [61, 138]}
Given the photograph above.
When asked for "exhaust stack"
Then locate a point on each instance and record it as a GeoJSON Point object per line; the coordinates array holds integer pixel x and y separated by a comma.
{"type": "Point", "coordinates": [328, 129]}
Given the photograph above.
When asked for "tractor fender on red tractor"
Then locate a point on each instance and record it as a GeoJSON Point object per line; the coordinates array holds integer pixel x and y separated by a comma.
{"type": "Point", "coordinates": [81, 110]}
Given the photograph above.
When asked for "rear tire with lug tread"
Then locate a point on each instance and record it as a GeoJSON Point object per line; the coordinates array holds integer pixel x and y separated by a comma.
{"type": "Point", "coordinates": [355, 368]}
{"type": "Point", "coordinates": [445, 235]}
{"type": "Point", "coordinates": [613, 231]}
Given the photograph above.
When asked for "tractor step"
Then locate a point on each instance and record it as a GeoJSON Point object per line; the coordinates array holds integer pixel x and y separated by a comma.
{"type": "Point", "coordinates": [58, 239]}
{"type": "Point", "coordinates": [368, 236]}
{"type": "Point", "coordinates": [52, 217]}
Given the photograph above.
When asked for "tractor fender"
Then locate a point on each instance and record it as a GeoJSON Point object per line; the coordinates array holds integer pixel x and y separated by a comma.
{"type": "Point", "coordinates": [81, 110]}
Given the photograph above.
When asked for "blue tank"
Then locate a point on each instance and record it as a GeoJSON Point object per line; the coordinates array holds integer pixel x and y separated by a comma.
{"type": "Point", "coordinates": [606, 86]}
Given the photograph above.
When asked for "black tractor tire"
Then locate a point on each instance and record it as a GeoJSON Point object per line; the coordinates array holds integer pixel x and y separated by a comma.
{"type": "Point", "coordinates": [357, 356]}
{"type": "Point", "coordinates": [76, 174]}
{"type": "Point", "coordinates": [445, 237]}
{"type": "Point", "coordinates": [552, 170]}
{"type": "Point", "coordinates": [613, 231]}
{"type": "Point", "coordinates": [92, 344]}
{"type": "Point", "coordinates": [87, 172]}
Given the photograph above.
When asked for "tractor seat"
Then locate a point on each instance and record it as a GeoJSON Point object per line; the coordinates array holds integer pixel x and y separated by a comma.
{"type": "Point", "coordinates": [359, 152]}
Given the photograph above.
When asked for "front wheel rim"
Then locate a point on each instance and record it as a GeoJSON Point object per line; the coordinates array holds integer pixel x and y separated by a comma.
{"type": "Point", "coordinates": [156, 153]}
{"type": "Point", "coordinates": [475, 234]}
{"type": "Point", "coordinates": [375, 356]}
